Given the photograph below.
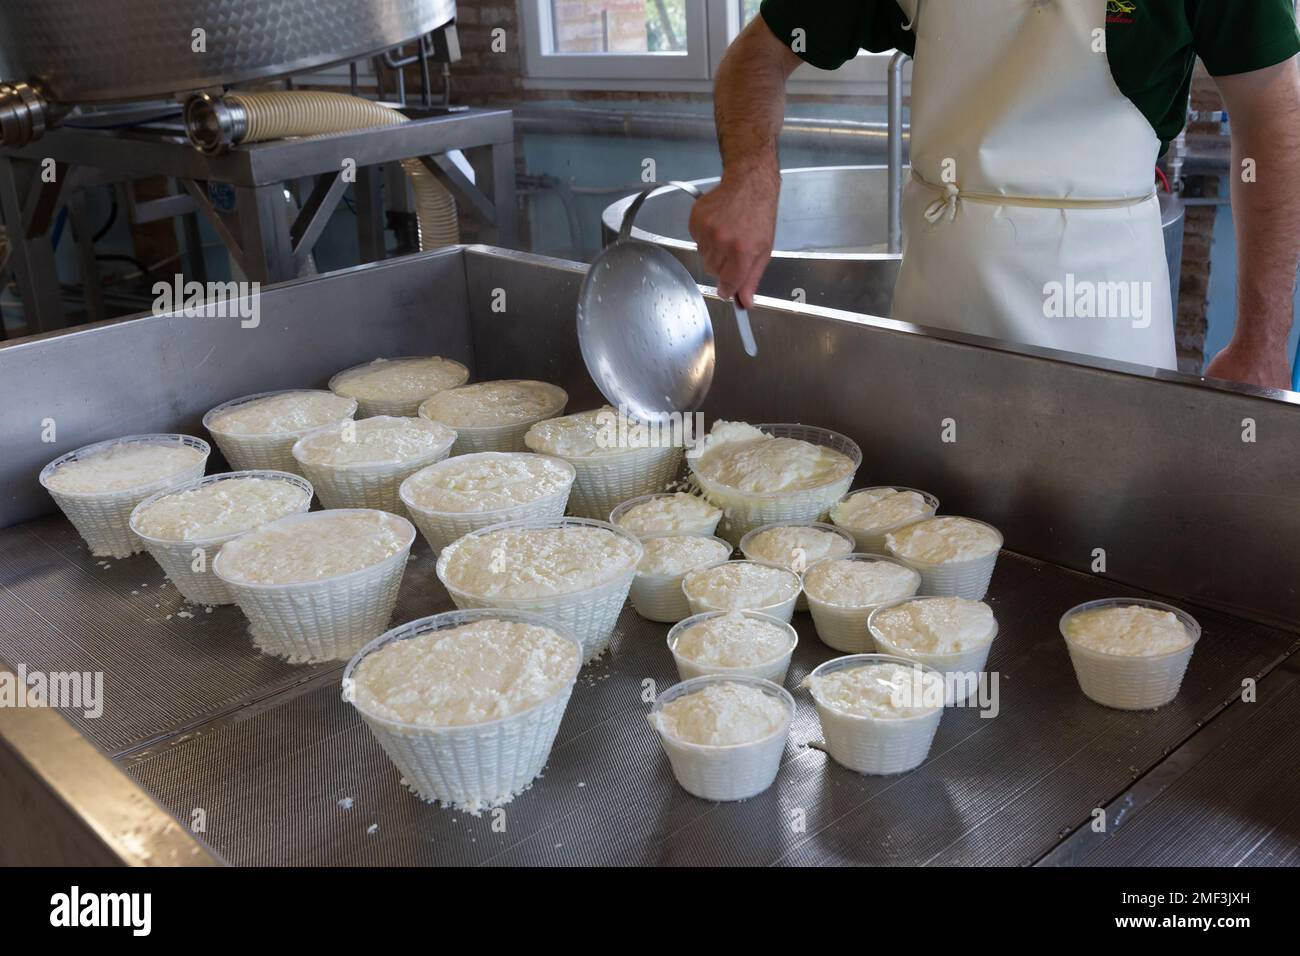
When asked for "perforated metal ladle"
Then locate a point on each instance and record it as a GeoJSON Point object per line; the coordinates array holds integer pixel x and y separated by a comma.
{"type": "Point", "coordinates": [643, 327]}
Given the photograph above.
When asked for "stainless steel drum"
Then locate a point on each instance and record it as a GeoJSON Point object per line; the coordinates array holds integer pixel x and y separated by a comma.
{"type": "Point", "coordinates": [831, 236]}
{"type": "Point", "coordinates": [82, 51]}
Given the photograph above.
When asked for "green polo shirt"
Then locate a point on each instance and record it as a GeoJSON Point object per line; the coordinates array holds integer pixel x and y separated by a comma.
{"type": "Point", "coordinates": [1152, 45]}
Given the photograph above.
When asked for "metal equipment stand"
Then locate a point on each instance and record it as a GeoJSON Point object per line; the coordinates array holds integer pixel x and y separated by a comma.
{"type": "Point", "coordinates": [242, 191]}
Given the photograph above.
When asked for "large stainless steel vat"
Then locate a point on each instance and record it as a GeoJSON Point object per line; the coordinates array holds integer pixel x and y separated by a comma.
{"type": "Point", "coordinates": [831, 236]}
{"type": "Point", "coordinates": [82, 51]}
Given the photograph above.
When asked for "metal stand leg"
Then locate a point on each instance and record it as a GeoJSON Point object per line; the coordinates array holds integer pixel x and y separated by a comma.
{"type": "Point", "coordinates": [84, 234]}
{"type": "Point", "coordinates": [31, 255]}
{"type": "Point", "coordinates": [264, 233]}
{"type": "Point", "coordinates": [370, 214]}
{"type": "Point", "coordinates": [503, 194]}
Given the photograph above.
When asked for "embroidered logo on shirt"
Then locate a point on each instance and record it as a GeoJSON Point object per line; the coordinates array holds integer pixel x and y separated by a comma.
{"type": "Point", "coordinates": [1121, 11]}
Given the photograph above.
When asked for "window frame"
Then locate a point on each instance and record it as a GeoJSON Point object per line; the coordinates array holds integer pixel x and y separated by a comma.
{"type": "Point", "coordinates": [710, 28]}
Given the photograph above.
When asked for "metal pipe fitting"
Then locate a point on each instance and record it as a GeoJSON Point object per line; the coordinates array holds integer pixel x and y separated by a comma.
{"type": "Point", "coordinates": [214, 123]}
{"type": "Point", "coordinates": [24, 114]}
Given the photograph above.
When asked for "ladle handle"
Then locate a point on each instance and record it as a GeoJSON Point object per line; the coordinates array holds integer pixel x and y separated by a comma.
{"type": "Point", "coordinates": [625, 232]}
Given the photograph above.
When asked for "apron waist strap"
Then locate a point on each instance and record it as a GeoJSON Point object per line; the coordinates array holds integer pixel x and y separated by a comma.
{"type": "Point", "coordinates": [950, 195]}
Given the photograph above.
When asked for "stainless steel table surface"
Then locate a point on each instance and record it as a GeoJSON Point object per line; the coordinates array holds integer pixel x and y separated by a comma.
{"type": "Point", "coordinates": [286, 773]}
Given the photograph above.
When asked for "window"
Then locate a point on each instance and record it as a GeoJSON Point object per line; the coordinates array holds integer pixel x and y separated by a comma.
{"type": "Point", "coordinates": [658, 44]}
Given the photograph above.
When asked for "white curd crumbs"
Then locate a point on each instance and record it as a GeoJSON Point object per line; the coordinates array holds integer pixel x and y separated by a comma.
{"type": "Point", "coordinates": [1132, 631]}
{"type": "Point", "coordinates": [721, 714]}
{"type": "Point", "coordinates": [676, 554]}
{"type": "Point", "coordinates": [123, 467]}
{"type": "Point", "coordinates": [288, 413]}
{"type": "Point", "coordinates": [221, 509]}
{"type": "Point", "coordinates": [883, 690]}
{"type": "Point", "coordinates": [859, 583]}
{"type": "Point", "coordinates": [941, 625]}
{"type": "Point", "coordinates": [472, 484]}
{"type": "Point", "coordinates": [732, 640]}
{"type": "Point", "coordinates": [875, 508]}
{"type": "Point", "coordinates": [488, 404]}
{"type": "Point", "coordinates": [400, 379]}
{"type": "Point", "coordinates": [736, 585]}
{"type": "Point", "coordinates": [601, 431]}
{"type": "Point", "coordinates": [477, 672]}
{"type": "Point", "coordinates": [324, 545]}
{"type": "Point", "coordinates": [742, 457]}
{"type": "Point", "coordinates": [796, 546]}
{"type": "Point", "coordinates": [670, 512]}
{"type": "Point", "coordinates": [537, 562]}
{"type": "Point", "coordinates": [943, 540]}
{"type": "Point", "coordinates": [379, 440]}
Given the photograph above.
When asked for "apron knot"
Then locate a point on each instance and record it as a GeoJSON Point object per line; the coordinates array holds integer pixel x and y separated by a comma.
{"type": "Point", "coordinates": [945, 206]}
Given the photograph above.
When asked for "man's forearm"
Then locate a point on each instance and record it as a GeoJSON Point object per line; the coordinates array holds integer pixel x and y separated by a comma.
{"type": "Point", "coordinates": [749, 101]}
{"type": "Point", "coordinates": [1265, 176]}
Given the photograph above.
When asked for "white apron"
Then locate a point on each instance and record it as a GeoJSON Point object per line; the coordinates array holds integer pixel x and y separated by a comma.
{"type": "Point", "coordinates": [1031, 214]}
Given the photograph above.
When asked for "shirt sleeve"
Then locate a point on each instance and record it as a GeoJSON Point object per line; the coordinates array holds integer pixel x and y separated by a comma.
{"type": "Point", "coordinates": [1239, 36]}
{"type": "Point", "coordinates": [829, 33]}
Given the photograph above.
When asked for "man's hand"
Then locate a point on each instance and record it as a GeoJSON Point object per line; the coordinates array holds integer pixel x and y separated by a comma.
{"type": "Point", "coordinates": [1264, 110]}
{"type": "Point", "coordinates": [1241, 362]}
{"type": "Point", "coordinates": [735, 224]}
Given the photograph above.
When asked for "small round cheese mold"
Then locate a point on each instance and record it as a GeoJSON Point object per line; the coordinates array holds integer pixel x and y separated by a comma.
{"type": "Point", "coordinates": [843, 591]}
{"type": "Point", "coordinates": [768, 473]}
{"type": "Point", "coordinates": [466, 704]}
{"type": "Point", "coordinates": [951, 634]}
{"type": "Point", "coordinates": [667, 512]}
{"type": "Point", "coordinates": [574, 571]}
{"type": "Point", "coordinates": [724, 736]}
{"type": "Point", "coordinates": [615, 457]}
{"type": "Point", "coordinates": [955, 556]}
{"type": "Point", "coordinates": [363, 464]}
{"type": "Point", "coordinates": [871, 513]}
{"type": "Point", "coordinates": [796, 545]}
{"type": "Point", "coordinates": [1130, 653]}
{"type": "Point", "coordinates": [397, 386]}
{"type": "Point", "coordinates": [494, 416]}
{"type": "Point", "coordinates": [453, 497]}
{"type": "Point", "coordinates": [732, 643]}
{"type": "Point", "coordinates": [98, 486]}
{"type": "Point", "coordinates": [258, 431]}
{"type": "Point", "coordinates": [743, 586]}
{"type": "Point", "coordinates": [184, 528]}
{"type": "Point", "coordinates": [317, 586]}
{"type": "Point", "coordinates": [657, 588]}
{"type": "Point", "coordinates": [878, 713]}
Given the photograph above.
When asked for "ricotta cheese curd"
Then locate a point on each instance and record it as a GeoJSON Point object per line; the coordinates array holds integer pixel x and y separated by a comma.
{"type": "Point", "coordinates": [721, 714]}
{"type": "Point", "coordinates": [883, 690]}
{"type": "Point", "coordinates": [736, 585]}
{"type": "Point", "coordinates": [472, 484]}
{"type": "Point", "coordinates": [601, 431]}
{"type": "Point", "coordinates": [740, 456]}
{"type": "Point", "coordinates": [796, 546]}
{"type": "Point", "coordinates": [859, 583]}
{"type": "Point", "coordinates": [732, 640]}
{"type": "Point", "coordinates": [944, 540]}
{"type": "Point", "coordinates": [479, 671]}
{"type": "Point", "coordinates": [874, 508]}
{"type": "Point", "coordinates": [324, 545]}
{"type": "Point", "coordinates": [378, 440]}
{"type": "Point", "coordinates": [676, 554]}
{"type": "Point", "coordinates": [521, 563]}
{"type": "Point", "coordinates": [123, 466]}
{"type": "Point", "coordinates": [489, 404]}
{"type": "Point", "coordinates": [287, 413]}
{"type": "Point", "coordinates": [403, 379]}
{"type": "Point", "coordinates": [668, 512]}
{"type": "Point", "coordinates": [1132, 631]}
{"type": "Point", "coordinates": [220, 509]}
{"type": "Point", "coordinates": [941, 625]}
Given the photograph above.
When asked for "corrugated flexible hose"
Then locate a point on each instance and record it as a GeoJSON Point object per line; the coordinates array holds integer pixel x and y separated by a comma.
{"type": "Point", "coordinates": [277, 114]}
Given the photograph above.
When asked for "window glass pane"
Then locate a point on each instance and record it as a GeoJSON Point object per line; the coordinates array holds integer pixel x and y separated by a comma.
{"type": "Point", "coordinates": [618, 26]}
